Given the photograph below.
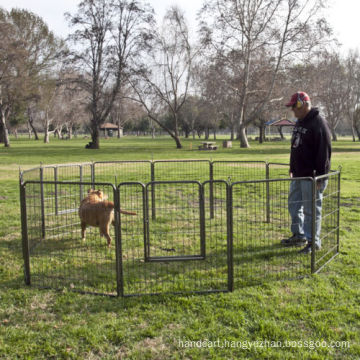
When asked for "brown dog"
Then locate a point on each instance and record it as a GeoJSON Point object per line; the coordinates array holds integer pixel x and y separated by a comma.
{"type": "Point", "coordinates": [95, 210]}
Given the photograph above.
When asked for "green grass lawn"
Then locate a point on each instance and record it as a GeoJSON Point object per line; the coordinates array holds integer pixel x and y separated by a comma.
{"type": "Point", "coordinates": [317, 317]}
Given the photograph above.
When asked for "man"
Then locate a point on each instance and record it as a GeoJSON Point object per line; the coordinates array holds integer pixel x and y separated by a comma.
{"type": "Point", "coordinates": [310, 155]}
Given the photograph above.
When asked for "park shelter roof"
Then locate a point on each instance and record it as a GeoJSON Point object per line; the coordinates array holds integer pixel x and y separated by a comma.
{"type": "Point", "coordinates": [108, 126]}
{"type": "Point", "coordinates": [281, 122]}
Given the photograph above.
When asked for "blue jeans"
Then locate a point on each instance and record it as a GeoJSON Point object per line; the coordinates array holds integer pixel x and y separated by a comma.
{"type": "Point", "coordinates": [300, 208]}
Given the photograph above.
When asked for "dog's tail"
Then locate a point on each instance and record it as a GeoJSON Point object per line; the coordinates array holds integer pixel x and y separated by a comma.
{"type": "Point", "coordinates": [107, 204]}
{"type": "Point", "coordinates": [127, 212]}
{"type": "Point", "coordinates": [110, 205]}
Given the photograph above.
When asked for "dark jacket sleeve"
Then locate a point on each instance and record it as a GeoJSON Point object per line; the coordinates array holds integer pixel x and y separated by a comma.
{"type": "Point", "coordinates": [323, 155]}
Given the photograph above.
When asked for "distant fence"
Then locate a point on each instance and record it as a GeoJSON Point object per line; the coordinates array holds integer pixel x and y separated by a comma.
{"type": "Point", "coordinates": [201, 226]}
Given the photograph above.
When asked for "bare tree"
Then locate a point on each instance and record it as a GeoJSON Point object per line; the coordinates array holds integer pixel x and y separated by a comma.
{"type": "Point", "coordinates": [11, 70]}
{"type": "Point", "coordinates": [71, 108]}
{"type": "Point", "coordinates": [189, 115]}
{"type": "Point", "coordinates": [352, 99]}
{"type": "Point", "coordinates": [247, 28]}
{"type": "Point", "coordinates": [31, 110]}
{"type": "Point", "coordinates": [163, 83]}
{"type": "Point", "coordinates": [124, 111]}
{"type": "Point", "coordinates": [356, 122]}
{"type": "Point", "coordinates": [28, 50]}
{"type": "Point", "coordinates": [332, 89]}
{"type": "Point", "coordinates": [109, 37]}
{"type": "Point", "coordinates": [217, 85]}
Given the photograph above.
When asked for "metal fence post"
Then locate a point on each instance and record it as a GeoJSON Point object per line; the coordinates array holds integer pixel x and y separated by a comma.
{"type": "Point", "coordinates": [42, 199]}
{"type": "Point", "coordinates": [267, 175]}
{"type": "Point", "coordinates": [81, 179]}
{"type": "Point", "coordinates": [230, 233]}
{"type": "Point", "coordinates": [338, 214]}
{"type": "Point", "coordinates": [93, 173]}
{"type": "Point", "coordinates": [118, 245]}
{"type": "Point", "coordinates": [152, 175]}
{"type": "Point", "coordinates": [313, 224]}
{"type": "Point", "coordinates": [56, 189]}
{"type": "Point", "coordinates": [211, 190]}
{"type": "Point", "coordinates": [146, 223]}
{"type": "Point", "coordinates": [202, 221]}
{"type": "Point", "coordinates": [24, 232]}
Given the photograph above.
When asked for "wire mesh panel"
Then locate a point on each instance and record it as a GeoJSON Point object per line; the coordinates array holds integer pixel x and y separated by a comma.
{"type": "Point", "coordinates": [330, 214]}
{"type": "Point", "coordinates": [172, 255]}
{"type": "Point", "coordinates": [58, 256]}
{"type": "Point", "coordinates": [86, 172]}
{"type": "Point", "coordinates": [30, 175]}
{"type": "Point", "coordinates": [218, 255]}
{"type": "Point", "coordinates": [65, 173]}
{"type": "Point", "coordinates": [34, 223]}
{"type": "Point", "coordinates": [122, 171]}
{"type": "Point", "coordinates": [68, 172]}
{"type": "Point", "coordinates": [187, 231]}
{"type": "Point", "coordinates": [180, 170]}
{"type": "Point", "coordinates": [234, 171]}
{"type": "Point", "coordinates": [257, 250]}
{"type": "Point", "coordinates": [132, 239]}
{"type": "Point", "coordinates": [278, 171]}
{"type": "Point", "coordinates": [183, 236]}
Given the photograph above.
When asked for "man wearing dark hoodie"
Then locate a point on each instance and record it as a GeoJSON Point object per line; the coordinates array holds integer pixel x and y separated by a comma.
{"type": "Point", "coordinates": [310, 156]}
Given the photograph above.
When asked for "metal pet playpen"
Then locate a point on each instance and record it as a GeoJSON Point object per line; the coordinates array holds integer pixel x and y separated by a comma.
{"type": "Point", "coordinates": [200, 226]}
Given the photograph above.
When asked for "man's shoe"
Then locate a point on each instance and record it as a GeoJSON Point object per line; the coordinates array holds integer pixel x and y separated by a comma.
{"type": "Point", "coordinates": [307, 249]}
{"type": "Point", "coordinates": [295, 240]}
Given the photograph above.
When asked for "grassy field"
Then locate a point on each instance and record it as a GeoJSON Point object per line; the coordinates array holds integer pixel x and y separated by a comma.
{"type": "Point", "coordinates": [317, 317]}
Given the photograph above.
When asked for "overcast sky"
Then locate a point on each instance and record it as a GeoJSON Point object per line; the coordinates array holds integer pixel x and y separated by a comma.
{"type": "Point", "coordinates": [343, 16]}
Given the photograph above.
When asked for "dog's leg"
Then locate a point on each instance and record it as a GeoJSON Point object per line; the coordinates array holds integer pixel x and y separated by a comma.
{"type": "Point", "coordinates": [83, 230]}
{"type": "Point", "coordinates": [108, 238]}
{"type": "Point", "coordinates": [105, 232]}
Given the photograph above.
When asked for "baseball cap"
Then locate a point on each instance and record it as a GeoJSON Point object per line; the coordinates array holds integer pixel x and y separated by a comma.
{"type": "Point", "coordinates": [300, 95]}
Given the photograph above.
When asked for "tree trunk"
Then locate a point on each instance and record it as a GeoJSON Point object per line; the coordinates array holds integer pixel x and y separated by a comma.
{"type": "Point", "coordinates": [29, 130]}
{"type": "Point", "coordinates": [261, 134]}
{"type": "Point", "coordinates": [1, 133]}
{"type": "Point", "coordinates": [58, 133]}
{"type": "Point", "coordinates": [34, 131]}
{"type": "Point", "coordinates": [30, 122]}
{"type": "Point", "coordinates": [47, 133]}
{"type": "Point", "coordinates": [206, 133]}
{"type": "Point", "coordinates": [175, 136]}
{"type": "Point", "coordinates": [177, 140]}
{"type": "Point", "coordinates": [178, 143]}
{"type": "Point", "coordinates": [232, 133]}
{"type": "Point", "coordinates": [353, 133]}
{"type": "Point", "coordinates": [280, 132]}
{"type": "Point", "coordinates": [333, 134]}
{"type": "Point", "coordinates": [118, 129]}
{"type": "Point", "coordinates": [95, 137]}
{"type": "Point", "coordinates": [4, 130]}
{"type": "Point", "coordinates": [214, 134]}
{"type": "Point", "coordinates": [70, 132]}
{"type": "Point", "coordinates": [243, 138]}
{"type": "Point", "coordinates": [357, 130]}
